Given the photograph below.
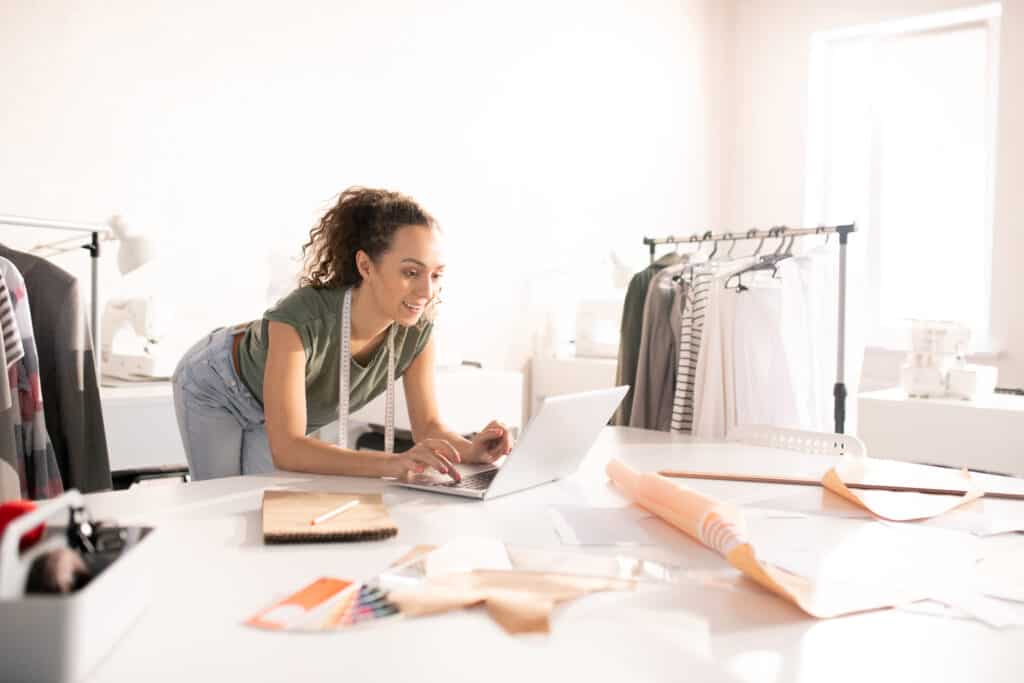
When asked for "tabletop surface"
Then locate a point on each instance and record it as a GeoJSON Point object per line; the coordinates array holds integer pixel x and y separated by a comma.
{"type": "Point", "coordinates": [211, 571]}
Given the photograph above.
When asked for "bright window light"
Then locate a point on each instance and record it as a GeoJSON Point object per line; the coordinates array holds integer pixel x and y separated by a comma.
{"type": "Point", "coordinates": [902, 131]}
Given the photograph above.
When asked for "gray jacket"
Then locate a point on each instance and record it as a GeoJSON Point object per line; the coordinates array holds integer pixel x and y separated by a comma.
{"type": "Point", "coordinates": [74, 416]}
{"type": "Point", "coordinates": [658, 358]}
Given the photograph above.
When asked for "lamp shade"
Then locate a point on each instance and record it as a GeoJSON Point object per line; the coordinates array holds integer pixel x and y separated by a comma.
{"type": "Point", "coordinates": [136, 250]}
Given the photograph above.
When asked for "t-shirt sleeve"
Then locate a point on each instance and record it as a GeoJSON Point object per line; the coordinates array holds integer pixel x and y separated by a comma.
{"type": "Point", "coordinates": [424, 337]}
{"type": "Point", "coordinates": [415, 341]}
{"type": "Point", "coordinates": [302, 309]}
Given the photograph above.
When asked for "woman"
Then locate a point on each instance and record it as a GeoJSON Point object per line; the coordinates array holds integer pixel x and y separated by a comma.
{"type": "Point", "coordinates": [248, 397]}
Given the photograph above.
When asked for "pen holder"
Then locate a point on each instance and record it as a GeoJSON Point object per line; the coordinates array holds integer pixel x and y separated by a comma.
{"type": "Point", "coordinates": [61, 637]}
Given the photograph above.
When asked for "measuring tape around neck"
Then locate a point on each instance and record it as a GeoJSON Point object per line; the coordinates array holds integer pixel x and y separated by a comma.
{"type": "Point", "coordinates": [345, 381]}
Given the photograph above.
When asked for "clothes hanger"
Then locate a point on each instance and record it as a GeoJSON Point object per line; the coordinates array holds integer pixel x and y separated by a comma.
{"type": "Point", "coordinates": [714, 250]}
{"type": "Point", "coordinates": [729, 235]}
{"type": "Point", "coordinates": [821, 229]}
{"type": "Point", "coordinates": [694, 256]}
{"type": "Point", "coordinates": [767, 262]}
{"type": "Point", "coordinates": [753, 233]}
{"type": "Point", "coordinates": [671, 258]}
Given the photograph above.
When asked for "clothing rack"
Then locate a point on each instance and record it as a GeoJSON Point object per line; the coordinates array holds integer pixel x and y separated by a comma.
{"type": "Point", "coordinates": [96, 232]}
{"type": "Point", "coordinates": [782, 232]}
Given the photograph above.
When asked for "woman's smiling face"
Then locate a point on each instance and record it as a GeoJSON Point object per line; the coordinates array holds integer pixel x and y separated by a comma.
{"type": "Point", "coordinates": [406, 278]}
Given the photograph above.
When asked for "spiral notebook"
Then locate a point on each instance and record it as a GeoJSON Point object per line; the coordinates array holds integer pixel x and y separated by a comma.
{"type": "Point", "coordinates": [287, 516]}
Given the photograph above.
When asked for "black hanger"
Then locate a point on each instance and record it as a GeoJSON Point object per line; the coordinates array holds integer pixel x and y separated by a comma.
{"type": "Point", "coordinates": [767, 262]}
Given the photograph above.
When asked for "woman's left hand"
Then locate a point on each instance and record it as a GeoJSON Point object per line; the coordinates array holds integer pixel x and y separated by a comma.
{"type": "Point", "coordinates": [489, 444]}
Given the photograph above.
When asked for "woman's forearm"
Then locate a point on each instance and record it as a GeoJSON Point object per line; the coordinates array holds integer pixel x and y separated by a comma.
{"type": "Point", "coordinates": [306, 454]}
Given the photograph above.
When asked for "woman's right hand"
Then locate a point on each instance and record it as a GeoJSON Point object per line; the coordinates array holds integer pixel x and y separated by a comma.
{"type": "Point", "coordinates": [433, 453]}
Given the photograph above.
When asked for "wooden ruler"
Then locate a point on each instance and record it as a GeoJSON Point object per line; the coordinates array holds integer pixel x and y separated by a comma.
{"type": "Point", "coordinates": [801, 481]}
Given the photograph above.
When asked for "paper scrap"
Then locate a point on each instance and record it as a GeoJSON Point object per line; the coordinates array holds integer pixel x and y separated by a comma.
{"type": "Point", "coordinates": [900, 506]}
{"type": "Point", "coordinates": [521, 602]}
{"type": "Point", "coordinates": [1000, 575]}
{"type": "Point", "coordinates": [465, 554]}
{"type": "Point", "coordinates": [580, 525]}
{"type": "Point", "coordinates": [966, 605]}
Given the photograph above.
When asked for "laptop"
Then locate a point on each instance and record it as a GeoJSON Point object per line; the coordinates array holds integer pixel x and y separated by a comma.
{"type": "Point", "coordinates": [552, 446]}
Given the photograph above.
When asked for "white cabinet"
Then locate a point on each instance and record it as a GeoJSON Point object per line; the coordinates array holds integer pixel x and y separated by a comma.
{"type": "Point", "coordinates": [987, 434]}
{"type": "Point", "coordinates": [141, 428]}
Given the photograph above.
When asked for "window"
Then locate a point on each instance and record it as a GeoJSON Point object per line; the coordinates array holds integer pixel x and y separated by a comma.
{"type": "Point", "coordinates": [901, 140]}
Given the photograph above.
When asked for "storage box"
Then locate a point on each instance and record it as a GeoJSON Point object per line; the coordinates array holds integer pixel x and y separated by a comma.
{"type": "Point", "coordinates": [63, 637]}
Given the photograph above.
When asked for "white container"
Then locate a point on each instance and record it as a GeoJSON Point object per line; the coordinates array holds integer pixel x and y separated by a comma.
{"type": "Point", "coordinates": [63, 637]}
{"type": "Point", "coordinates": [972, 381]}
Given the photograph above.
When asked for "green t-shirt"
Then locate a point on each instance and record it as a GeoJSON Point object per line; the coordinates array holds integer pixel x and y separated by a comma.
{"type": "Point", "coordinates": [316, 316]}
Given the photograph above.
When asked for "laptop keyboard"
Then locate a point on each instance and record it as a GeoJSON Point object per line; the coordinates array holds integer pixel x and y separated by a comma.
{"type": "Point", "coordinates": [473, 482]}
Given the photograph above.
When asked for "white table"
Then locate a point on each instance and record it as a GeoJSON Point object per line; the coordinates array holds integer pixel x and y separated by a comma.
{"type": "Point", "coordinates": [222, 573]}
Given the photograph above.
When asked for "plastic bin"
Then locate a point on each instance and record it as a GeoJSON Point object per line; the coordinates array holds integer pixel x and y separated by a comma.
{"type": "Point", "coordinates": [63, 637]}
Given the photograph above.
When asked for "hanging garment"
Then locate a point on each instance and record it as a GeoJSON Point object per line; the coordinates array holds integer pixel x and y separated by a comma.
{"type": "Point", "coordinates": [36, 461]}
{"type": "Point", "coordinates": [13, 349]}
{"type": "Point", "coordinates": [67, 373]}
{"type": "Point", "coordinates": [695, 292]}
{"type": "Point", "coordinates": [804, 342]}
{"type": "Point", "coordinates": [765, 391]}
{"type": "Point", "coordinates": [714, 397]}
{"type": "Point", "coordinates": [10, 480]}
{"type": "Point", "coordinates": [659, 352]}
{"type": "Point", "coordinates": [631, 331]}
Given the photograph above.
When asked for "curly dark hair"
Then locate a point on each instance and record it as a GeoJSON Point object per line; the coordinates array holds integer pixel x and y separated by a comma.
{"type": "Point", "coordinates": [362, 218]}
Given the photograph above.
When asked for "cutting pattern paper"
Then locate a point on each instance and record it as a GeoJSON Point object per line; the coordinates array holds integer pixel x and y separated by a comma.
{"type": "Point", "coordinates": [722, 528]}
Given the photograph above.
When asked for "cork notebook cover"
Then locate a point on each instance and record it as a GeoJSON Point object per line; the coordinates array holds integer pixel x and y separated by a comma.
{"type": "Point", "coordinates": [287, 516]}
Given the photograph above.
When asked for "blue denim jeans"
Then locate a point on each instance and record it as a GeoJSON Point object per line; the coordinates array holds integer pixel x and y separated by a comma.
{"type": "Point", "coordinates": [221, 422]}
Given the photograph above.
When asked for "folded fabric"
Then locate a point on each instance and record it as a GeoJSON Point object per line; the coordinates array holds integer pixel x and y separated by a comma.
{"type": "Point", "coordinates": [521, 602]}
{"type": "Point", "coordinates": [722, 528]}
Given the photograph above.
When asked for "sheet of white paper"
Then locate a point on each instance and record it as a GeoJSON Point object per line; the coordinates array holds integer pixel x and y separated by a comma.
{"type": "Point", "coordinates": [812, 501]}
{"type": "Point", "coordinates": [579, 525]}
{"type": "Point", "coordinates": [466, 553]}
{"type": "Point", "coordinates": [965, 605]}
{"type": "Point", "coordinates": [999, 573]}
{"type": "Point", "coordinates": [972, 518]}
{"type": "Point", "coordinates": [865, 551]}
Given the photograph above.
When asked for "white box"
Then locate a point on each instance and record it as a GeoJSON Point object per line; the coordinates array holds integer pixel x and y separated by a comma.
{"type": "Point", "coordinates": [63, 637]}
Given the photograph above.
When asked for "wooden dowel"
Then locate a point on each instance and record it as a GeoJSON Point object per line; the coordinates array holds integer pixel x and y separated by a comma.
{"type": "Point", "coordinates": [799, 481]}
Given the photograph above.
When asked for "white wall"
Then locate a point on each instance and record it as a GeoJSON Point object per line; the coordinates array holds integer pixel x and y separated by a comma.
{"type": "Point", "coordinates": [764, 184]}
{"type": "Point", "coordinates": [541, 134]}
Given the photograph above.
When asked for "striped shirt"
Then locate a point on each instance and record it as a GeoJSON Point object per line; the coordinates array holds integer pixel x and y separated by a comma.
{"type": "Point", "coordinates": [14, 349]}
{"type": "Point", "coordinates": [696, 288]}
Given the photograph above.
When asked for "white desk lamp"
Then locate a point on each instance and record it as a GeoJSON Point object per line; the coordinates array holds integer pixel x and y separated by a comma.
{"type": "Point", "coordinates": [136, 250]}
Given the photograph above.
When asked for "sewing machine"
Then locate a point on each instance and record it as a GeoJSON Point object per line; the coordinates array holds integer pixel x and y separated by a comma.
{"type": "Point", "coordinates": [131, 337]}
